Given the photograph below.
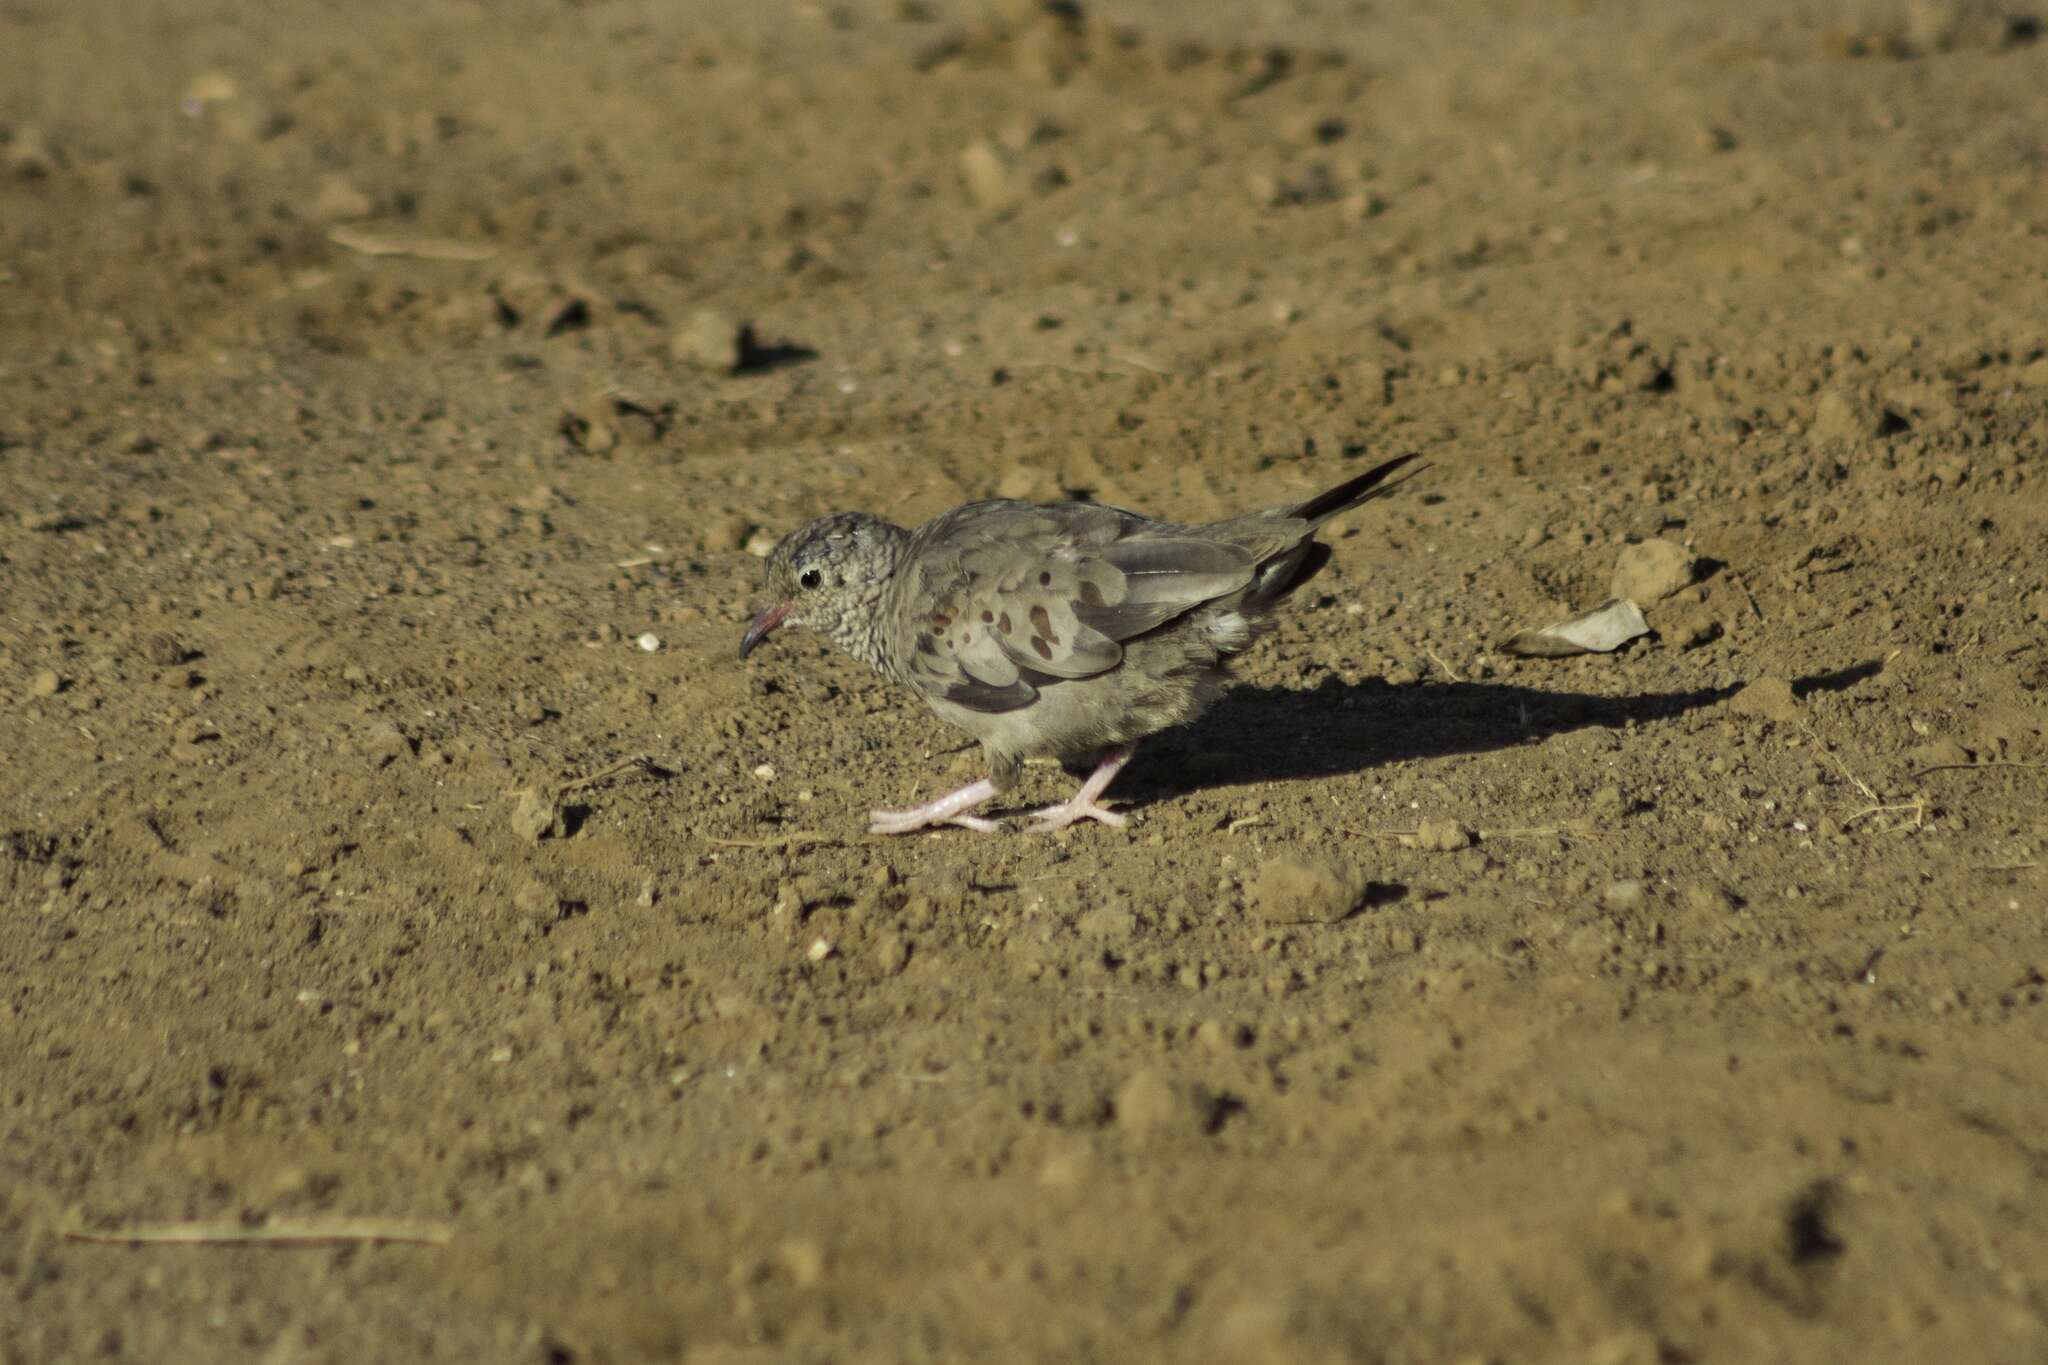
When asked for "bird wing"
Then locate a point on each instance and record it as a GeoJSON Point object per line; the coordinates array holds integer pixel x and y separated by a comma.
{"type": "Point", "coordinates": [1001, 599]}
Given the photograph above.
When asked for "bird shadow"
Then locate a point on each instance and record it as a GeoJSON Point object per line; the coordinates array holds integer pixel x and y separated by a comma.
{"type": "Point", "coordinates": [757, 356]}
{"type": "Point", "coordinates": [1277, 734]}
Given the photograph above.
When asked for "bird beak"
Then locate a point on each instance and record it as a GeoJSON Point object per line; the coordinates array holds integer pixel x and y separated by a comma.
{"type": "Point", "coordinates": [766, 622]}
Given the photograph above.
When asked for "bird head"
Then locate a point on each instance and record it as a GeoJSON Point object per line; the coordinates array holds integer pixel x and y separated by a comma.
{"type": "Point", "coordinates": [829, 577]}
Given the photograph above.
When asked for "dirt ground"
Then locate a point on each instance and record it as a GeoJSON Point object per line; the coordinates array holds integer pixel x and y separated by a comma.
{"type": "Point", "coordinates": [395, 400]}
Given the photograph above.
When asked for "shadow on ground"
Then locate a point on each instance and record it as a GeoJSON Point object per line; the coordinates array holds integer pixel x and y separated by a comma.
{"type": "Point", "coordinates": [1276, 734]}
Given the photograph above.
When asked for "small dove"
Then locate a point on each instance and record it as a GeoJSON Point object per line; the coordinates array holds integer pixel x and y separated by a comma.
{"type": "Point", "coordinates": [1066, 630]}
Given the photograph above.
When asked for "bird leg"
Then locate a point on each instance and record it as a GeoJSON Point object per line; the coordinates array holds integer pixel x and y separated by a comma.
{"type": "Point", "coordinates": [1082, 805]}
{"type": "Point", "coordinates": [950, 809]}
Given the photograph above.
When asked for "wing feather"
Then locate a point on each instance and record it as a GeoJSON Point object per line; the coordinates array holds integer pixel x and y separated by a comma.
{"type": "Point", "coordinates": [1006, 598]}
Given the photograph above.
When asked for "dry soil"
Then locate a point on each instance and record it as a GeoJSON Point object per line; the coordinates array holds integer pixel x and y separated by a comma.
{"type": "Point", "coordinates": [395, 399]}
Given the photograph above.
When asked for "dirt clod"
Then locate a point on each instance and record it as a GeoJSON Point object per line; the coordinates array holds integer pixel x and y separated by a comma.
{"type": "Point", "coordinates": [1148, 1103]}
{"type": "Point", "coordinates": [1292, 889]}
{"type": "Point", "coordinates": [1111, 923]}
{"type": "Point", "coordinates": [537, 815]}
{"type": "Point", "coordinates": [1651, 570]}
{"type": "Point", "coordinates": [1769, 698]}
{"type": "Point", "coordinates": [710, 341]}
{"type": "Point", "coordinates": [1442, 836]}
{"type": "Point", "coordinates": [162, 649]}
{"type": "Point", "coordinates": [1708, 898]}
{"type": "Point", "coordinates": [384, 743]}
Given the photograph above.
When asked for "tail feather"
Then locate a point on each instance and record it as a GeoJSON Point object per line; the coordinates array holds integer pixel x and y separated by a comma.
{"type": "Point", "coordinates": [1367, 486]}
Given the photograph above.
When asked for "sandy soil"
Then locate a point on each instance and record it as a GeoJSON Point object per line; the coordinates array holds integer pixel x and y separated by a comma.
{"type": "Point", "coordinates": [374, 376]}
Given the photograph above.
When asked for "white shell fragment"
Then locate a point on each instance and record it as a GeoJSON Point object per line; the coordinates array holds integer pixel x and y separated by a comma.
{"type": "Point", "coordinates": [1607, 627]}
{"type": "Point", "coordinates": [649, 641]}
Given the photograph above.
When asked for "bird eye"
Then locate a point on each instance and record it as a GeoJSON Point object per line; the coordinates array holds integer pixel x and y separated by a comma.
{"type": "Point", "coordinates": [810, 578]}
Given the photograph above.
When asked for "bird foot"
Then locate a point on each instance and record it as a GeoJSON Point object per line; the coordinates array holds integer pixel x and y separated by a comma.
{"type": "Point", "coordinates": [1053, 819]}
{"type": "Point", "coordinates": [1086, 804]}
{"type": "Point", "coordinates": [951, 809]}
{"type": "Point", "coordinates": [911, 821]}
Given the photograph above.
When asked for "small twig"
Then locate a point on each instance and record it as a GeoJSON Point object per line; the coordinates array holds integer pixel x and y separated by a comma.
{"type": "Point", "coordinates": [778, 841]}
{"type": "Point", "coordinates": [1743, 584]}
{"type": "Point", "coordinates": [1987, 763]}
{"type": "Point", "coordinates": [1482, 835]}
{"type": "Point", "coordinates": [312, 1233]}
{"type": "Point", "coordinates": [1449, 672]}
{"type": "Point", "coordinates": [1831, 756]}
{"type": "Point", "coordinates": [1245, 822]}
{"type": "Point", "coordinates": [638, 762]}
{"type": "Point", "coordinates": [1918, 807]}
{"type": "Point", "coordinates": [155, 827]}
{"type": "Point", "coordinates": [1125, 358]}
{"type": "Point", "coordinates": [372, 243]}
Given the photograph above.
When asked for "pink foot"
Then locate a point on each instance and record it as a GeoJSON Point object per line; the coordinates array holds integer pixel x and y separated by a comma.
{"type": "Point", "coordinates": [1085, 804]}
{"type": "Point", "coordinates": [1053, 819]}
{"type": "Point", "coordinates": [950, 809]}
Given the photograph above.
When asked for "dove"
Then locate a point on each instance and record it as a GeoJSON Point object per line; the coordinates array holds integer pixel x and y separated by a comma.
{"type": "Point", "coordinates": [1068, 630]}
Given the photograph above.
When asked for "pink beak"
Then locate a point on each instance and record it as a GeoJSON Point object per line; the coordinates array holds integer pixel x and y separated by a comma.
{"type": "Point", "coordinates": [763, 625]}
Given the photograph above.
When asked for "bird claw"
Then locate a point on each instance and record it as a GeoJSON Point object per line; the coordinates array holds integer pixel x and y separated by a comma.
{"type": "Point", "coordinates": [950, 809]}
{"type": "Point", "coordinates": [911, 821]}
{"type": "Point", "coordinates": [1053, 819]}
{"type": "Point", "coordinates": [978, 824]}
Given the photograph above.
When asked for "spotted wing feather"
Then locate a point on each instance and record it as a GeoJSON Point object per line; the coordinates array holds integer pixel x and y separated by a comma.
{"type": "Point", "coordinates": [1004, 599]}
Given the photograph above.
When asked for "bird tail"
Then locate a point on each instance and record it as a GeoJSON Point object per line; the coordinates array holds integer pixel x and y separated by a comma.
{"type": "Point", "coordinates": [1302, 557]}
{"type": "Point", "coordinates": [1367, 486]}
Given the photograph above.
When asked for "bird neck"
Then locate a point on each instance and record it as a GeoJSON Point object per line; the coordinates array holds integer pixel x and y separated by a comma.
{"type": "Point", "coordinates": [860, 626]}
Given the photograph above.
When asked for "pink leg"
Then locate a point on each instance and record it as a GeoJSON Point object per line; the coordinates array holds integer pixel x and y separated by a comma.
{"type": "Point", "coordinates": [950, 809]}
{"type": "Point", "coordinates": [1082, 805]}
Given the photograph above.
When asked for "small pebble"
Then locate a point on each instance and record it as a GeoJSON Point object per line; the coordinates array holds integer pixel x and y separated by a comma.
{"type": "Point", "coordinates": [163, 649]}
{"type": "Point", "coordinates": [538, 901]}
{"type": "Point", "coordinates": [1216, 1036]}
{"type": "Point", "coordinates": [766, 772]}
{"type": "Point", "coordinates": [892, 954]}
{"type": "Point", "coordinates": [1842, 416]}
{"type": "Point", "coordinates": [384, 743]}
{"type": "Point", "coordinates": [1610, 802]}
{"type": "Point", "coordinates": [1651, 571]}
{"type": "Point", "coordinates": [1626, 895]}
{"type": "Point", "coordinates": [1442, 836]}
{"type": "Point", "coordinates": [710, 341]}
{"type": "Point", "coordinates": [728, 533]}
{"type": "Point", "coordinates": [805, 1262]}
{"type": "Point", "coordinates": [819, 950]}
{"type": "Point", "coordinates": [649, 642]}
{"type": "Point", "coordinates": [46, 683]}
{"type": "Point", "coordinates": [1148, 1102]}
{"type": "Point", "coordinates": [536, 815]}
{"type": "Point", "coordinates": [1108, 922]}
{"type": "Point", "coordinates": [993, 177]}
